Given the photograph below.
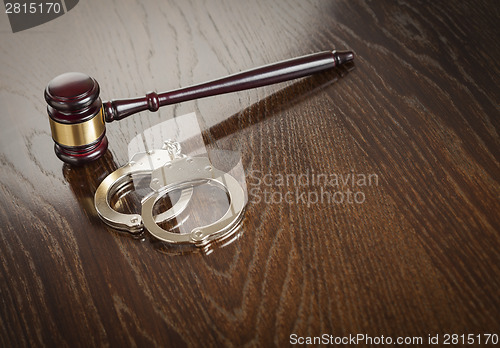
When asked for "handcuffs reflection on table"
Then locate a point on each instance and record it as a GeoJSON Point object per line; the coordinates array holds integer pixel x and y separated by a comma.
{"type": "Point", "coordinates": [170, 170]}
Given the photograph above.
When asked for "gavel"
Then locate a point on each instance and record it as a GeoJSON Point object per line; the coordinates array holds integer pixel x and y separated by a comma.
{"type": "Point", "coordinates": [77, 115]}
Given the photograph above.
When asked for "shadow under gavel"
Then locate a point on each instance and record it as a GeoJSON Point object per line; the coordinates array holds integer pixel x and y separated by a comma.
{"type": "Point", "coordinates": [77, 115]}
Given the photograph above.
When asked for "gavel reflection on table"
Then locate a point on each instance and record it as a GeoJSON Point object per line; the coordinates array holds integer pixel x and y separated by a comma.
{"type": "Point", "coordinates": [77, 115]}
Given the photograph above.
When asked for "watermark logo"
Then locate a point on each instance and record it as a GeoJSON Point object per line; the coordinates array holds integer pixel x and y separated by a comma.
{"type": "Point", "coordinates": [310, 188]}
{"type": "Point", "coordinates": [28, 14]}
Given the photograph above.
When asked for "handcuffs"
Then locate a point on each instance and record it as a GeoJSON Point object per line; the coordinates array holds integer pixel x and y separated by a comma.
{"type": "Point", "coordinates": [170, 170]}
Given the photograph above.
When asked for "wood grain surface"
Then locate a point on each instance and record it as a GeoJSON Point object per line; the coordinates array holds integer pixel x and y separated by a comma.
{"type": "Point", "coordinates": [419, 111]}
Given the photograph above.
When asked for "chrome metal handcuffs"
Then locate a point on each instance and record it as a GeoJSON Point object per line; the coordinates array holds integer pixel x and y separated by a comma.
{"type": "Point", "coordinates": [170, 170]}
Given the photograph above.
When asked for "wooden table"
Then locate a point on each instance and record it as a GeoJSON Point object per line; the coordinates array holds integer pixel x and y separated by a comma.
{"type": "Point", "coordinates": [415, 253]}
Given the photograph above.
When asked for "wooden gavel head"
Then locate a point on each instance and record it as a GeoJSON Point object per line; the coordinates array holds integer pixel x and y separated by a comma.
{"type": "Point", "coordinates": [77, 115]}
{"type": "Point", "coordinates": [76, 118]}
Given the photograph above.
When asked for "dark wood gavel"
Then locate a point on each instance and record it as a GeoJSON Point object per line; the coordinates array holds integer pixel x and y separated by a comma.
{"type": "Point", "coordinates": [77, 115]}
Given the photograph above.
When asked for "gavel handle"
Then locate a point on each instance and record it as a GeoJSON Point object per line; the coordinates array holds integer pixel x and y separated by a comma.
{"type": "Point", "coordinates": [258, 77]}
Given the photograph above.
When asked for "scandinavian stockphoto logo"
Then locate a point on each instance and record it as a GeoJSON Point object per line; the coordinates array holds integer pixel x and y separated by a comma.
{"type": "Point", "coordinates": [28, 14]}
{"type": "Point", "coordinates": [310, 188]}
